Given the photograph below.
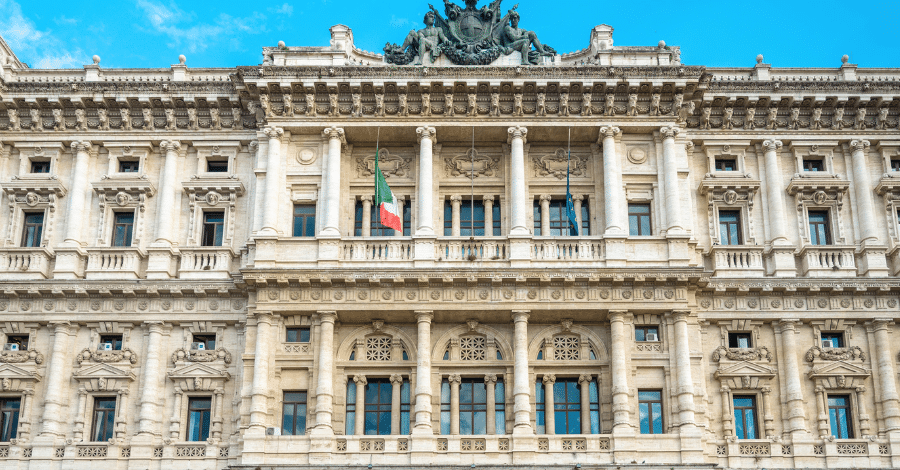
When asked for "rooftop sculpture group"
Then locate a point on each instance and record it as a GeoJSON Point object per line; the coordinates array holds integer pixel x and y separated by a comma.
{"type": "Point", "coordinates": [468, 36]}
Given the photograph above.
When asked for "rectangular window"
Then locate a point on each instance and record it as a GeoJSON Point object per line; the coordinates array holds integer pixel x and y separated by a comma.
{"type": "Point", "coordinates": [375, 227]}
{"type": "Point", "coordinates": [650, 409]}
{"type": "Point", "coordinates": [639, 220]}
{"type": "Point", "coordinates": [217, 166]}
{"type": "Point", "coordinates": [472, 407]}
{"type": "Point", "coordinates": [445, 407]}
{"type": "Point", "coordinates": [378, 396]}
{"type": "Point", "coordinates": [540, 405]}
{"type": "Point", "coordinates": [840, 417]}
{"type": "Point", "coordinates": [126, 166]}
{"type": "Point", "coordinates": [293, 422]}
{"type": "Point", "coordinates": [833, 340]}
{"type": "Point", "coordinates": [745, 417]}
{"type": "Point", "coordinates": [585, 219]}
{"type": "Point", "coordinates": [813, 164]}
{"type": "Point", "coordinates": [740, 340]}
{"type": "Point", "coordinates": [123, 227]}
{"type": "Point", "coordinates": [730, 228]}
{"type": "Point", "coordinates": [537, 220]}
{"type": "Point", "coordinates": [559, 220]}
{"type": "Point", "coordinates": [104, 418]}
{"type": "Point", "coordinates": [646, 333]}
{"type": "Point", "coordinates": [726, 164]}
{"type": "Point", "coordinates": [305, 220]}
{"type": "Point", "coordinates": [114, 340]}
{"type": "Point", "coordinates": [819, 230]}
{"type": "Point", "coordinates": [895, 164]}
{"type": "Point", "coordinates": [297, 335]}
{"type": "Point", "coordinates": [9, 418]}
{"type": "Point", "coordinates": [594, 398]}
{"type": "Point", "coordinates": [213, 228]}
{"type": "Point", "coordinates": [198, 419]}
{"type": "Point", "coordinates": [499, 407]}
{"type": "Point", "coordinates": [350, 417]}
{"type": "Point", "coordinates": [33, 229]}
{"type": "Point", "coordinates": [207, 340]}
{"type": "Point", "coordinates": [466, 222]}
{"type": "Point", "coordinates": [405, 407]}
{"type": "Point", "coordinates": [38, 166]}
{"type": "Point", "coordinates": [567, 407]}
{"type": "Point", "coordinates": [20, 340]}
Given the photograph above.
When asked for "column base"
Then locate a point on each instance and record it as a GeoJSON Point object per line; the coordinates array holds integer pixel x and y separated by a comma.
{"type": "Point", "coordinates": [422, 447]}
{"type": "Point", "coordinates": [321, 444]}
{"type": "Point", "coordinates": [70, 262]}
{"type": "Point", "coordinates": [872, 260]}
{"type": "Point", "coordinates": [781, 260]}
{"type": "Point", "coordinates": [523, 446]}
{"type": "Point", "coordinates": [161, 262]}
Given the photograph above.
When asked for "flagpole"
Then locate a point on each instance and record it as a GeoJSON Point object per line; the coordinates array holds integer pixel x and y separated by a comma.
{"type": "Point", "coordinates": [375, 174]}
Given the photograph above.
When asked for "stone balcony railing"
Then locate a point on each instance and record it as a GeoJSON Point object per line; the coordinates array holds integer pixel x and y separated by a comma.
{"type": "Point", "coordinates": [25, 263]}
{"type": "Point", "coordinates": [472, 249]}
{"type": "Point", "coordinates": [377, 249]}
{"type": "Point", "coordinates": [827, 261]}
{"type": "Point", "coordinates": [206, 262]}
{"type": "Point", "coordinates": [737, 260]}
{"type": "Point", "coordinates": [114, 263]}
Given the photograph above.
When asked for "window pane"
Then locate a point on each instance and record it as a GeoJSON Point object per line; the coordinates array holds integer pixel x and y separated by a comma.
{"type": "Point", "coordinates": [657, 418]}
{"type": "Point", "coordinates": [644, 412]}
{"type": "Point", "coordinates": [739, 423]}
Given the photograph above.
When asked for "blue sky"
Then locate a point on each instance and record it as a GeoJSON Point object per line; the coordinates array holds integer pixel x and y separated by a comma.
{"type": "Point", "coordinates": [224, 33]}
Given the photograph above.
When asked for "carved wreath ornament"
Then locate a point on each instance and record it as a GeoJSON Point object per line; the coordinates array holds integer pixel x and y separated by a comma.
{"type": "Point", "coordinates": [15, 357]}
{"type": "Point", "coordinates": [741, 354]}
{"type": "Point", "coordinates": [558, 163]}
{"type": "Point", "coordinates": [472, 165]}
{"type": "Point", "coordinates": [391, 165]}
{"type": "Point", "coordinates": [106, 356]}
{"type": "Point", "coordinates": [220, 354]}
{"type": "Point", "coordinates": [835, 354]}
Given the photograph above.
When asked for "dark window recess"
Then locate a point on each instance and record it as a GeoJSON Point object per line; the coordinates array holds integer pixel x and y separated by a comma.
{"type": "Point", "coordinates": [730, 228]}
{"type": "Point", "coordinates": [20, 340]}
{"type": "Point", "coordinates": [33, 229]}
{"type": "Point", "coordinates": [123, 227]}
{"type": "Point", "coordinates": [103, 422]}
{"type": "Point", "coordinates": [819, 230]}
{"type": "Point", "coordinates": [40, 166]}
{"type": "Point", "coordinates": [740, 340]}
{"type": "Point", "coordinates": [833, 340]}
{"type": "Point", "coordinates": [129, 166]}
{"type": "Point", "coordinates": [217, 166]}
{"type": "Point", "coordinates": [198, 419]}
{"type": "Point", "coordinates": [813, 164]}
{"type": "Point", "coordinates": [114, 340]}
{"type": "Point", "coordinates": [473, 407]}
{"type": "Point", "coordinates": [650, 409]}
{"type": "Point", "coordinates": [639, 220]}
{"type": "Point", "coordinates": [895, 164]}
{"type": "Point", "coordinates": [293, 422]}
{"type": "Point", "coordinates": [375, 227]}
{"type": "Point", "coordinates": [305, 220]}
{"type": "Point", "coordinates": [213, 228]}
{"type": "Point", "coordinates": [567, 407]}
{"type": "Point", "coordinates": [646, 333]}
{"type": "Point", "coordinates": [540, 407]}
{"type": "Point", "coordinates": [745, 417]}
{"type": "Point", "coordinates": [839, 415]}
{"type": "Point", "coordinates": [726, 164]}
{"type": "Point", "coordinates": [207, 340]}
{"type": "Point", "coordinates": [9, 418]}
{"type": "Point", "coordinates": [378, 395]}
{"type": "Point", "coordinates": [297, 335]}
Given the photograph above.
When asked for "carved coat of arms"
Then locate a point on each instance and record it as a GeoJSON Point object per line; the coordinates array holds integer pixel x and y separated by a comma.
{"type": "Point", "coordinates": [472, 165]}
{"type": "Point", "coordinates": [391, 165]}
{"type": "Point", "coordinates": [558, 163]}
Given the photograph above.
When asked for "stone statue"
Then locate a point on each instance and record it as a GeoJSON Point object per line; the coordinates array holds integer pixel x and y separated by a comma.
{"type": "Point", "coordinates": [147, 114]}
{"type": "Point", "coordinates": [427, 41]}
{"type": "Point", "coordinates": [125, 117]}
{"type": "Point", "coordinates": [81, 120]}
{"type": "Point", "coordinates": [103, 119]}
{"type": "Point", "coordinates": [521, 40]}
{"type": "Point", "coordinates": [541, 108]}
{"type": "Point", "coordinates": [333, 107]}
{"type": "Point", "coordinates": [379, 104]}
{"type": "Point", "coordinates": [632, 104]}
{"type": "Point", "coordinates": [58, 123]}
{"type": "Point", "coordinates": [654, 104]}
{"type": "Point", "coordinates": [609, 108]}
{"type": "Point", "coordinates": [403, 105]}
{"type": "Point", "coordinates": [288, 101]}
{"type": "Point", "coordinates": [426, 104]}
{"type": "Point", "coordinates": [860, 118]}
{"type": "Point", "coordinates": [356, 107]}
{"type": "Point", "coordinates": [193, 123]}
{"type": "Point", "coordinates": [13, 119]}
{"type": "Point", "coordinates": [795, 118]}
{"type": "Point", "coordinates": [772, 118]}
{"type": "Point", "coordinates": [816, 120]}
{"type": "Point", "coordinates": [518, 108]}
{"type": "Point", "coordinates": [448, 105]}
{"type": "Point", "coordinates": [495, 104]}
{"type": "Point", "coordinates": [473, 105]}
{"type": "Point", "coordinates": [704, 117]}
{"type": "Point", "coordinates": [37, 122]}
{"type": "Point", "coordinates": [265, 105]}
{"type": "Point", "coordinates": [685, 111]}
{"type": "Point", "coordinates": [587, 109]}
{"type": "Point", "coordinates": [170, 119]}
{"type": "Point", "coordinates": [236, 120]}
{"type": "Point", "coordinates": [676, 104]}
{"type": "Point", "coordinates": [311, 105]}
{"type": "Point", "coordinates": [838, 120]}
{"type": "Point", "coordinates": [882, 117]}
{"type": "Point", "coordinates": [214, 122]}
{"type": "Point", "coordinates": [749, 117]}
{"type": "Point", "coordinates": [563, 104]}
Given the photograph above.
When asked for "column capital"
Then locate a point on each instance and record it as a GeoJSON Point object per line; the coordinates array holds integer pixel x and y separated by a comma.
{"type": "Point", "coordinates": [454, 379]}
{"type": "Point", "coordinates": [787, 324]}
{"type": "Point", "coordinates": [424, 316]}
{"type": "Point", "coordinates": [584, 378]}
{"type": "Point", "coordinates": [273, 133]}
{"type": "Point", "coordinates": [669, 132]}
{"type": "Point", "coordinates": [426, 132]}
{"type": "Point", "coordinates": [83, 146]}
{"type": "Point", "coordinates": [549, 379]}
{"type": "Point", "coordinates": [859, 145]}
{"type": "Point", "coordinates": [880, 324]}
{"type": "Point", "coordinates": [263, 317]}
{"type": "Point", "coordinates": [396, 379]}
{"type": "Point", "coordinates": [578, 197]}
{"type": "Point", "coordinates": [335, 132]}
{"type": "Point", "coordinates": [490, 378]}
{"type": "Point", "coordinates": [517, 132]}
{"type": "Point", "coordinates": [772, 145]}
{"type": "Point", "coordinates": [327, 316]}
{"type": "Point", "coordinates": [521, 315]}
{"type": "Point", "coordinates": [170, 146]}
{"type": "Point", "coordinates": [64, 327]}
{"type": "Point", "coordinates": [456, 198]}
{"type": "Point", "coordinates": [360, 379]}
{"type": "Point", "coordinates": [253, 147]}
{"type": "Point", "coordinates": [366, 198]}
{"type": "Point", "coordinates": [488, 198]}
{"type": "Point", "coordinates": [680, 315]}
{"type": "Point", "coordinates": [619, 316]}
{"type": "Point", "coordinates": [157, 326]}
{"type": "Point", "coordinates": [607, 132]}
{"type": "Point", "coordinates": [545, 197]}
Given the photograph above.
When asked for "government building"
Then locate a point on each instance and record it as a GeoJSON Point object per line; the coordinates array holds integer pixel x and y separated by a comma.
{"type": "Point", "coordinates": [600, 259]}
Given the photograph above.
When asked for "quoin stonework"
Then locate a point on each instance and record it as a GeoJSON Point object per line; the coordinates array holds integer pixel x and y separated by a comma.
{"type": "Point", "coordinates": [193, 274]}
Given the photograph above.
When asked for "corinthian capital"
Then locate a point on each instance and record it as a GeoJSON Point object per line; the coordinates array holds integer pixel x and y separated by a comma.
{"type": "Point", "coordinates": [426, 132]}
{"type": "Point", "coordinates": [859, 145]}
{"type": "Point", "coordinates": [669, 132]}
{"type": "Point", "coordinates": [82, 147]}
{"type": "Point", "coordinates": [275, 133]}
{"type": "Point", "coordinates": [170, 146]}
{"type": "Point", "coordinates": [549, 379]}
{"type": "Point", "coordinates": [396, 379]}
{"type": "Point", "coordinates": [584, 378]}
{"type": "Point", "coordinates": [609, 132]}
{"type": "Point", "coordinates": [772, 145]}
{"type": "Point", "coordinates": [517, 132]}
{"type": "Point", "coordinates": [360, 379]}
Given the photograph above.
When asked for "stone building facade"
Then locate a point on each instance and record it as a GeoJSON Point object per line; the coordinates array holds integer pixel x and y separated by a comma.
{"type": "Point", "coordinates": [194, 277]}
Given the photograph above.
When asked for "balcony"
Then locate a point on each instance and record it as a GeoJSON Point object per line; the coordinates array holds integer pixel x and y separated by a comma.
{"type": "Point", "coordinates": [472, 249]}
{"type": "Point", "coordinates": [25, 263]}
{"type": "Point", "coordinates": [377, 249]}
{"type": "Point", "coordinates": [207, 262]}
{"type": "Point", "coordinates": [562, 249]}
{"type": "Point", "coordinates": [827, 261]}
{"type": "Point", "coordinates": [737, 260]}
{"type": "Point", "coordinates": [114, 263]}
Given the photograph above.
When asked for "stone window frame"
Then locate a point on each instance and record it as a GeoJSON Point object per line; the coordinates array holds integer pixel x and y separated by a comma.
{"type": "Point", "coordinates": [739, 326]}
{"type": "Point", "coordinates": [197, 386]}
{"type": "Point", "coordinates": [306, 194]}
{"type": "Point", "coordinates": [760, 402]}
{"type": "Point", "coordinates": [832, 326]}
{"type": "Point", "coordinates": [889, 151]}
{"type": "Point", "coordinates": [293, 321]}
{"type": "Point", "coordinates": [643, 193]}
{"type": "Point", "coordinates": [121, 197]}
{"type": "Point", "coordinates": [202, 328]}
{"type": "Point", "coordinates": [39, 151]}
{"type": "Point", "coordinates": [743, 203]}
{"type": "Point", "coordinates": [735, 150]}
{"type": "Point", "coordinates": [832, 203]}
{"type": "Point", "coordinates": [96, 330]}
{"type": "Point", "coordinates": [218, 150]}
{"type": "Point", "coordinates": [494, 341]}
{"type": "Point", "coordinates": [90, 400]}
{"type": "Point", "coordinates": [212, 197]}
{"type": "Point", "coordinates": [355, 344]}
{"type": "Point", "coordinates": [127, 151]}
{"type": "Point", "coordinates": [649, 320]}
{"type": "Point", "coordinates": [818, 150]}
{"type": "Point", "coordinates": [29, 329]}
{"type": "Point", "coordinates": [860, 420]}
{"type": "Point", "coordinates": [14, 232]}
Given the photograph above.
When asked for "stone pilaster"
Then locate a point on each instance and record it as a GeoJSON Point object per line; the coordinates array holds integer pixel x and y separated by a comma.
{"type": "Point", "coordinates": [273, 179]}
{"type": "Point", "coordinates": [152, 379]}
{"type": "Point", "coordinates": [325, 370]}
{"type": "Point", "coordinates": [674, 209]}
{"type": "Point", "coordinates": [887, 375]}
{"type": "Point", "coordinates": [70, 253]}
{"type": "Point", "coordinates": [424, 199]}
{"type": "Point", "coordinates": [521, 387]}
{"type": "Point", "coordinates": [619, 352]}
{"type": "Point", "coordinates": [780, 251]}
{"type": "Point", "coordinates": [259, 399]}
{"type": "Point", "coordinates": [613, 192]}
{"type": "Point", "coordinates": [793, 396]}
{"type": "Point", "coordinates": [56, 387]}
{"type": "Point", "coordinates": [873, 262]}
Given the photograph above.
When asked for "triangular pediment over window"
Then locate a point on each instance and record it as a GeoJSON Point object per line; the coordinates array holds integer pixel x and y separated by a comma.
{"type": "Point", "coordinates": [839, 368]}
{"type": "Point", "coordinates": [9, 371]}
{"type": "Point", "coordinates": [742, 368]}
{"type": "Point", "coordinates": [199, 377]}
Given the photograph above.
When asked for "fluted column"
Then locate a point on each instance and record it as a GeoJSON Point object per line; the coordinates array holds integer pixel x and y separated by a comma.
{"type": "Point", "coordinates": [273, 180]}
{"type": "Point", "coordinates": [549, 408]}
{"type": "Point", "coordinates": [775, 194]}
{"type": "Point", "coordinates": [887, 375]}
{"type": "Point", "coordinates": [454, 380]}
{"type": "Point", "coordinates": [79, 192]}
{"type": "Point", "coordinates": [490, 381]}
{"type": "Point", "coordinates": [584, 381]}
{"type": "Point", "coordinates": [325, 373]}
{"type": "Point", "coordinates": [521, 388]}
{"type": "Point", "coordinates": [794, 393]}
{"type": "Point", "coordinates": [360, 426]}
{"type": "Point", "coordinates": [168, 186]}
{"type": "Point", "coordinates": [545, 215]}
{"type": "Point", "coordinates": [517, 138]}
{"type": "Point", "coordinates": [258, 401]}
{"type": "Point", "coordinates": [455, 202]}
{"type": "Point", "coordinates": [424, 199]}
{"type": "Point", "coordinates": [367, 215]}
{"type": "Point", "coordinates": [151, 379]}
{"type": "Point", "coordinates": [619, 370]}
{"type": "Point", "coordinates": [613, 191]}
{"type": "Point", "coordinates": [423, 373]}
{"type": "Point", "coordinates": [56, 388]}
{"type": "Point", "coordinates": [685, 380]}
{"type": "Point", "coordinates": [332, 179]}
{"type": "Point", "coordinates": [396, 383]}
{"type": "Point", "coordinates": [674, 221]}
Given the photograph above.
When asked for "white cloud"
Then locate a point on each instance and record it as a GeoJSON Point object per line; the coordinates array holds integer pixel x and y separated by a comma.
{"type": "Point", "coordinates": [62, 20]}
{"type": "Point", "coordinates": [285, 9]}
{"type": "Point", "coordinates": [199, 37]}
{"type": "Point", "coordinates": [40, 49]}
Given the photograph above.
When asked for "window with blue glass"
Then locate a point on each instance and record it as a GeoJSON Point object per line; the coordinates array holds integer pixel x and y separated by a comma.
{"type": "Point", "coordinates": [378, 394]}
{"type": "Point", "coordinates": [594, 406]}
{"type": "Point", "coordinates": [499, 407]}
{"type": "Point", "coordinates": [540, 405]}
{"type": "Point", "coordinates": [9, 418]}
{"type": "Point", "coordinates": [198, 418]}
{"type": "Point", "coordinates": [819, 229]}
{"type": "Point", "coordinates": [745, 417]}
{"type": "Point", "coordinates": [472, 406]}
{"type": "Point", "coordinates": [833, 340]}
{"type": "Point", "coordinates": [567, 407]}
{"type": "Point", "coordinates": [445, 407]}
{"type": "Point", "coordinates": [740, 339]}
{"type": "Point", "coordinates": [730, 228]}
{"type": "Point", "coordinates": [296, 335]}
{"type": "Point", "coordinates": [350, 415]}
{"type": "Point", "coordinates": [472, 219]}
{"type": "Point", "coordinates": [646, 333]}
{"type": "Point", "coordinates": [32, 229]}
{"type": "Point", "coordinates": [103, 422]}
{"type": "Point", "coordinates": [813, 164]}
{"type": "Point", "coordinates": [650, 410]}
{"type": "Point", "coordinates": [375, 227]}
{"type": "Point", "coordinates": [639, 220]}
{"type": "Point", "coordinates": [213, 228]}
{"type": "Point", "coordinates": [293, 414]}
{"type": "Point", "coordinates": [305, 220]}
{"type": "Point", "coordinates": [726, 164]}
{"type": "Point", "coordinates": [840, 417]}
{"type": "Point", "coordinates": [123, 227]}
{"type": "Point", "coordinates": [405, 406]}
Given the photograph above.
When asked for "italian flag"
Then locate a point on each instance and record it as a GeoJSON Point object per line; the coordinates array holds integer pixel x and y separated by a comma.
{"type": "Point", "coordinates": [386, 202]}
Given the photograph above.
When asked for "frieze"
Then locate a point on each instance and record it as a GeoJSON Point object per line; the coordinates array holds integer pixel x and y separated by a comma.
{"type": "Point", "coordinates": [559, 164]}
{"type": "Point", "coordinates": [835, 354]}
{"type": "Point", "coordinates": [742, 354]}
{"type": "Point", "coordinates": [219, 354]}
{"type": "Point", "coordinates": [390, 165]}
{"type": "Point", "coordinates": [17, 357]}
{"type": "Point", "coordinates": [124, 355]}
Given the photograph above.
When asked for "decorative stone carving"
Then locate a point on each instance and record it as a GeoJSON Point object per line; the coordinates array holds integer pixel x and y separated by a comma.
{"type": "Point", "coordinates": [391, 165]}
{"type": "Point", "coordinates": [192, 355]}
{"type": "Point", "coordinates": [835, 354]}
{"type": "Point", "coordinates": [472, 165]}
{"type": "Point", "coordinates": [558, 163]}
{"type": "Point", "coordinates": [123, 355]}
{"type": "Point", "coordinates": [17, 357]}
{"type": "Point", "coordinates": [742, 354]}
